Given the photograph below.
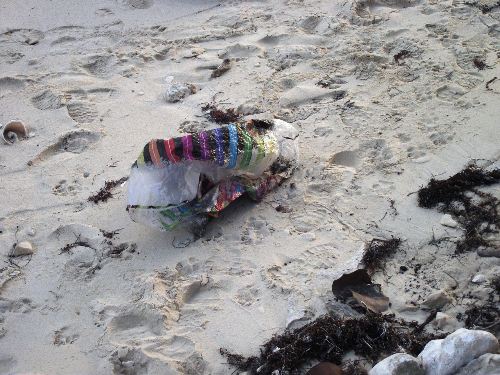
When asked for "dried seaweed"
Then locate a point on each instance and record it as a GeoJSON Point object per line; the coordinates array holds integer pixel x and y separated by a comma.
{"type": "Point", "coordinates": [106, 192]}
{"type": "Point", "coordinates": [67, 248]}
{"type": "Point", "coordinates": [378, 250]}
{"type": "Point", "coordinates": [221, 116]}
{"type": "Point", "coordinates": [328, 338]}
{"type": "Point", "coordinates": [485, 316]}
{"type": "Point", "coordinates": [476, 211]}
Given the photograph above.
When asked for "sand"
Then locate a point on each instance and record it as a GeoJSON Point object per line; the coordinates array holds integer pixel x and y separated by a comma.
{"type": "Point", "coordinates": [88, 78]}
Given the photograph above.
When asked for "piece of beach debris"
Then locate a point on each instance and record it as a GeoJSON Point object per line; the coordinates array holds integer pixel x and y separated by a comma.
{"type": "Point", "coordinates": [398, 364]}
{"type": "Point", "coordinates": [325, 368]}
{"type": "Point", "coordinates": [358, 285]}
{"type": "Point", "coordinates": [378, 250]}
{"type": "Point", "coordinates": [221, 69]}
{"type": "Point", "coordinates": [177, 91]}
{"type": "Point", "coordinates": [106, 192]}
{"type": "Point", "coordinates": [474, 210]}
{"type": "Point", "coordinates": [329, 338]}
{"type": "Point", "coordinates": [447, 356]}
{"type": "Point", "coordinates": [22, 248]}
{"type": "Point", "coordinates": [214, 181]}
{"type": "Point", "coordinates": [13, 131]}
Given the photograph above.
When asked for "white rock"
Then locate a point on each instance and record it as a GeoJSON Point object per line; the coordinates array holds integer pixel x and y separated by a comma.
{"type": "Point", "coordinates": [23, 248]}
{"type": "Point", "coordinates": [178, 91]}
{"type": "Point", "coordinates": [445, 357]}
{"type": "Point", "coordinates": [478, 279]}
{"type": "Point", "coordinates": [487, 364]}
{"type": "Point", "coordinates": [448, 221]}
{"type": "Point", "coordinates": [398, 364]}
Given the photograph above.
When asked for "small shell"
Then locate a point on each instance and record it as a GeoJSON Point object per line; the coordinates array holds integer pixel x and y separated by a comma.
{"type": "Point", "coordinates": [13, 131]}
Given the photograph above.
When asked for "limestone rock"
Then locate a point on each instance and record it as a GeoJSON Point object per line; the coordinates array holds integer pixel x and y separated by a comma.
{"type": "Point", "coordinates": [447, 356]}
{"type": "Point", "coordinates": [398, 364]}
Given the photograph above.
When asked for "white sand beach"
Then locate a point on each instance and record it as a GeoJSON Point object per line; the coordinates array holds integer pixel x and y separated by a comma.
{"type": "Point", "coordinates": [386, 94]}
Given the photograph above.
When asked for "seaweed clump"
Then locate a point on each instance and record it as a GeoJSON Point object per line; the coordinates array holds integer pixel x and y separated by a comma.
{"type": "Point", "coordinates": [221, 116]}
{"type": "Point", "coordinates": [328, 338]}
{"type": "Point", "coordinates": [106, 192]}
{"type": "Point", "coordinates": [378, 250]}
{"type": "Point", "coordinates": [476, 211]}
{"type": "Point", "coordinates": [485, 315]}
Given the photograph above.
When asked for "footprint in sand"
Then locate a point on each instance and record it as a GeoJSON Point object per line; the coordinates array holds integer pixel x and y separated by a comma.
{"type": "Point", "coordinates": [346, 159]}
{"type": "Point", "coordinates": [129, 361]}
{"type": "Point", "coordinates": [64, 336]}
{"type": "Point", "coordinates": [7, 362]}
{"type": "Point", "coordinates": [65, 187]}
{"type": "Point", "coordinates": [25, 36]}
{"type": "Point", "coordinates": [21, 305]}
{"type": "Point", "coordinates": [82, 112]}
{"type": "Point", "coordinates": [450, 92]}
{"type": "Point", "coordinates": [366, 12]}
{"type": "Point", "coordinates": [75, 142]}
{"type": "Point", "coordinates": [46, 100]}
{"type": "Point", "coordinates": [8, 84]}
{"type": "Point", "coordinates": [99, 65]}
{"type": "Point", "coordinates": [103, 12]}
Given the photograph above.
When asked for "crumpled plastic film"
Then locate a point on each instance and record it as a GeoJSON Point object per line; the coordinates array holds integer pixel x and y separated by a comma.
{"type": "Point", "coordinates": [175, 180]}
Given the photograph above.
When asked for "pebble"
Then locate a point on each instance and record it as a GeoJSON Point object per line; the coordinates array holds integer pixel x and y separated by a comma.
{"type": "Point", "coordinates": [398, 364]}
{"type": "Point", "coordinates": [23, 248]}
{"type": "Point", "coordinates": [479, 279]}
{"type": "Point", "coordinates": [437, 300]}
{"type": "Point", "coordinates": [448, 221]}
{"type": "Point", "coordinates": [446, 356]}
{"type": "Point", "coordinates": [487, 364]}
